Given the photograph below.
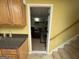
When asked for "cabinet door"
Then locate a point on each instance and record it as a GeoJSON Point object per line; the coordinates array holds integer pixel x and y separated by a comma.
{"type": "Point", "coordinates": [4, 12]}
{"type": "Point", "coordinates": [0, 53]}
{"type": "Point", "coordinates": [23, 50]}
{"type": "Point", "coordinates": [11, 56]}
{"type": "Point", "coordinates": [16, 11]}
{"type": "Point", "coordinates": [8, 51]}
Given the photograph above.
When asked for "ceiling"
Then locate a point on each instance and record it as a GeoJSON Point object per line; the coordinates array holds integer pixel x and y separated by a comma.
{"type": "Point", "coordinates": [39, 11]}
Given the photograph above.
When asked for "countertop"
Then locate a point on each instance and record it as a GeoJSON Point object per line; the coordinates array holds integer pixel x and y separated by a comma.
{"type": "Point", "coordinates": [13, 42]}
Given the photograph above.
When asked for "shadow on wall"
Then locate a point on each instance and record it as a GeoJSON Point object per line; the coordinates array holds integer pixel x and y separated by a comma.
{"type": "Point", "coordinates": [64, 17]}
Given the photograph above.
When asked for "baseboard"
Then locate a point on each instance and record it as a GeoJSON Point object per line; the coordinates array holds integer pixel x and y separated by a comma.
{"type": "Point", "coordinates": [39, 52]}
{"type": "Point", "coordinates": [62, 45]}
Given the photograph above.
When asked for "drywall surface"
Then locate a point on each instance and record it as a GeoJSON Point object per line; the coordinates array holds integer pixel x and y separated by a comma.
{"type": "Point", "coordinates": [65, 13]}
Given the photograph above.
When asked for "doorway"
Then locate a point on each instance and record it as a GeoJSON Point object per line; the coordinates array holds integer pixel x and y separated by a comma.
{"type": "Point", "coordinates": [39, 27]}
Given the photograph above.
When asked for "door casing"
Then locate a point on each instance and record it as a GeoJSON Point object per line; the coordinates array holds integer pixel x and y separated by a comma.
{"type": "Point", "coordinates": [49, 26]}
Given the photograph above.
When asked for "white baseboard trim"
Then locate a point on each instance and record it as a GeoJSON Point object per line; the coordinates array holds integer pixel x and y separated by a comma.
{"type": "Point", "coordinates": [62, 45]}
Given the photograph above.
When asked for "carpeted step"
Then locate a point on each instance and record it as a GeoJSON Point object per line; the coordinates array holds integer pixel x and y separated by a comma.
{"type": "Point", "coordinates": [74, 46]}
{"type": "Point", "coordinates": [56, 55]}
{"type": "Point", "coordinates": [76, 42]}
{"type": "Point", "coordinates": [75, 50]}
{"type": "Point", "coordinates": [70, 50]}
{"type": "Point", "coordinates": [63, 54]}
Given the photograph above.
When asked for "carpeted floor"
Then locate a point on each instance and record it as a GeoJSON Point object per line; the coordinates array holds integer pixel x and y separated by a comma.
{"type": "Point", "coordinates": [39, 56]}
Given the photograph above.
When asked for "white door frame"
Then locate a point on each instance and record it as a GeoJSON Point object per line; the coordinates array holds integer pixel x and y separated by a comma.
{"type": "Point", "coordinates": [49, 26]}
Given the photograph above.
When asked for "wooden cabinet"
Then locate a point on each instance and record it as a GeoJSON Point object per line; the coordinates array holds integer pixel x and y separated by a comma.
{"type": "Point", "coordinates": [23, 50]}
{"type": "Point", "coordinates": [19, 53]}
{"type": "Point", "coordinates": [9, 51]}
{"type": "Point", "coordinates": [4, 13]}
{"type": "Point", "coordinates": [16, 12]}
{"type": "Point", "coordinates": [12, 12]}
{"type": "Point", "coordinates": [11, 56]}
{"type": "Point", "coordinates": [0, 52]}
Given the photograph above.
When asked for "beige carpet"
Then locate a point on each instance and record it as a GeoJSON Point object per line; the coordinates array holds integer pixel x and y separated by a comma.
{"type": "Point", "coordinates": [39, 56]}
{"type": "Point", "coordinates": [69, 51]}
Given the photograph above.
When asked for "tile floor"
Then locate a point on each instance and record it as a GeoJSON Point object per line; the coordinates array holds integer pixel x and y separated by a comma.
{"type": "Point", "coordinates": [37, 46]}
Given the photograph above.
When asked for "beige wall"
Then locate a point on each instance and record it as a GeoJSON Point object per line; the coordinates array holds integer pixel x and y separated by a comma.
{"type": "Point", "coordinates": [65, 14]}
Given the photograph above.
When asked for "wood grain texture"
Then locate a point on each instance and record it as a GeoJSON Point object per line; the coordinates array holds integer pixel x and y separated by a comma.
{"type": "Point", "coordinates": [9, 51]}
{"type": "Point", "coordinates": [19, 53]}
{"type": "Point", "coordinates": [12, 12]}
{"type": "Point", "coordinates": [16, 11]}
{"type": "Point", "coordinates": [4, 12]}
{"type": "Point", "coordinates": [11, 56]}
{"type": "Point", "coordinates": [23, 50]}
{"type": "Point", "coordinates": [0, 52]}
